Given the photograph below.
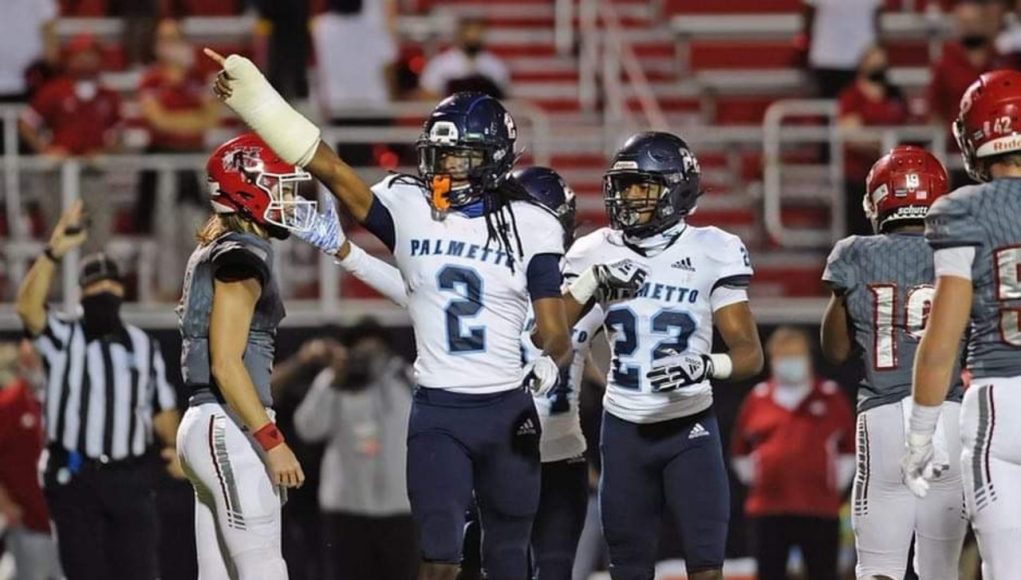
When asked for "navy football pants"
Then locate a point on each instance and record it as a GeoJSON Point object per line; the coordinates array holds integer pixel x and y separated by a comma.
{"type": "Point", "coordinates": [487, 444]}
{"type": "Point", "coordinates": [647, 468]}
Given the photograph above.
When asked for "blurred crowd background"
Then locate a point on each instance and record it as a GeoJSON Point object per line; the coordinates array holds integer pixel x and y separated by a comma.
{"type": "Point", "coordinates": [786, 102]}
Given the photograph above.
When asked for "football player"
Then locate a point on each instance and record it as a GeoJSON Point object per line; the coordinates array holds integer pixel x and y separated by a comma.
{"type": "Point", "coordinates": [882, 291]}
{"type": "Point", "coordinates": [473, 253]}
{"type": "Point", "coordinates": [564, 490]}
{"type": "Point", "coordinates": [230, 448]}
{"type": "Point", "coordinates": [660, 442]}
{"type": "Point", "coordinates": [975, 233]}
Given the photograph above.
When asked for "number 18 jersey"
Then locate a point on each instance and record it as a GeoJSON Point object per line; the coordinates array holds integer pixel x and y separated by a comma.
{"type": "Point", "coordinates": [887, 284]}
{"type": "Point", "coordinates": [468, 307]}
{"type": "Point", "coordinates": [673, 313]}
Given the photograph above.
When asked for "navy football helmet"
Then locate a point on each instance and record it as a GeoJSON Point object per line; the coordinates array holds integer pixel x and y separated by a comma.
{"type": "Point", "coordinates": [545, 187]}
{"type": "Point", "coordinates": [466, 149]}
{"type": "Point", "coordinates": [654, 174]}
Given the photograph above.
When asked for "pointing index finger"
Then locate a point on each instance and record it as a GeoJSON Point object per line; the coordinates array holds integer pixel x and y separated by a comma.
{"type": "Point", "coordinates": [219, 58]}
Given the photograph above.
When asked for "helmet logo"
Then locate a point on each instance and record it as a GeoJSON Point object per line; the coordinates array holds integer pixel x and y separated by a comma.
{"type": "Point", "coordinates": [912, 180]}
{"type": "Point", "coordinates": [242, 159]}
{"type": "Point", "coordinates": [625, 165]}
{"type": "Point", "coordinates": [512, 130]}
{"type": "Point", "coordinates": [879, 194]}
{"type": "Point", "coordinates": [690, 163]}
{"type": "Point", "coordinates": [444, 133]}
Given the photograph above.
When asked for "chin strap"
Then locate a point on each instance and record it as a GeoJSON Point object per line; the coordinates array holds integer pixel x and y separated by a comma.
{"type": "Point", "coordinates": [655, 244]}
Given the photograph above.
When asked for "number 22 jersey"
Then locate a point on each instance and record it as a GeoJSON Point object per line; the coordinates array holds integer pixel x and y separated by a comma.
{"type": "Point", "coordinates": [703, 270]}
{"type": "Point", "coordinates": [467, 306]}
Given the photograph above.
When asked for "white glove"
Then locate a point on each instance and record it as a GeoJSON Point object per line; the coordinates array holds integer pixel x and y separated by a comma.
{"type": "Point", "coordinates": [260, 106]}
{"type": "Point", "coordinates": [542, 375]}
{"type": "Point", "coordinates": [620, 280]}
{"type": "Point", "coordinates": [324, 231]}
{"type": "Point", "coordinates": [922, 464]}
{"type": "Point", "coordinates": [678, 371]}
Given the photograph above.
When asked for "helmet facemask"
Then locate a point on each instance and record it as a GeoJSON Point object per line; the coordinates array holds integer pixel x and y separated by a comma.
{"type": "Point", "coordinates": [638, 203]}
{"type": "Point", "coordinates": [286, 208]}
{"type": "Point", "coordinates": [972, 165]}
{"type": "Point", "coordinates": [458, 175]}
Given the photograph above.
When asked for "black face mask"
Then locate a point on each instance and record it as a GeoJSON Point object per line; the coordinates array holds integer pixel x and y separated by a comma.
{"type": "Point", "coordinates": [472, 48]}
{"type": "Point", "coordinates": [877, 76]}
{"type": "Point", "coordinates": [102, 313]}
{"type": "Point", "coordinates": [363, 369]}
{"type": "Point", "coordinates": [974, 41]}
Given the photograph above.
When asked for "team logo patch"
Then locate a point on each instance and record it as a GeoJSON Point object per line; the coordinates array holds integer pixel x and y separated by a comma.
{"type": "Point", "coordinates": [683, 264]}
{"type": "Point", "coordinates": [698, 431]}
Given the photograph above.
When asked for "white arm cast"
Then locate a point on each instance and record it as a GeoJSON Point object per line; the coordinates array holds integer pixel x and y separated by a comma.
{"type": "Point", "coordinates": [260, 106]}
{"type": "Point", "coordinates": [378, 274]}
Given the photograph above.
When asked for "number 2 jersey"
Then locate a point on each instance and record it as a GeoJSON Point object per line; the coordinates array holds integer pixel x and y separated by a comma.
{"type": "Point", "coordinates": [887, 284]}
{"type": "Point", "coordinates": [703, 270]}
{"type": "Point", "coordinates": [468, 306]}
{"type": "Point", "coordinates": [987, 217]}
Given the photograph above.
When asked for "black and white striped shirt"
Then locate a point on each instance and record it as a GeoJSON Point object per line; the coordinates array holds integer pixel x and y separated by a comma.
{"type": "Point", "coordinates": [101, 392]}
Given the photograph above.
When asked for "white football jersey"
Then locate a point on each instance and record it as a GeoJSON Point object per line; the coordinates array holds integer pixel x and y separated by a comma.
{"type": "Point", "coordinates": [673, 312]}
{"type": "Point", "coordinates": [467, 307]}
{"type": "Point", "coordinates": [559, 411]}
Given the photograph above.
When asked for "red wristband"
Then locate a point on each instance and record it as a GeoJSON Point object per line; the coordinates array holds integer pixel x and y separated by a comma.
{"type": "Point", "coordinates": [269, 436]}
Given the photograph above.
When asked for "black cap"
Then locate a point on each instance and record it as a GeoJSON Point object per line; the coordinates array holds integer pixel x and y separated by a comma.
{"type": "Point", "coordinates": [96, 268]}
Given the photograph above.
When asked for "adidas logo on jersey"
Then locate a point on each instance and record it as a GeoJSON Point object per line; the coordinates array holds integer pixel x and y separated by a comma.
{"type": "Point", "coordinates": [683, 264]}
{"type": "Point", "coordinates": [698, 431]}
{"type": "Point", "coordinates": [526, 428]}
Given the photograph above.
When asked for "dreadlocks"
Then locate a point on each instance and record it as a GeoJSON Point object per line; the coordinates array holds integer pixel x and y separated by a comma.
{"type": "Point", "coordinates": [497, 224]}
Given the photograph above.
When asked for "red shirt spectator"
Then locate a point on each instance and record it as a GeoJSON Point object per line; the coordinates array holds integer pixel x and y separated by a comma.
{"type": "Point", "coordinates": [21, 443]}
{"type": "Point", "coordinates": [188, 94]}
{"type": "Point", "coordinates": [80, 121]}
{"type": "Point", "coordinates": [795, 450]}
{"type": "Point", "coordinates": [952, 75]}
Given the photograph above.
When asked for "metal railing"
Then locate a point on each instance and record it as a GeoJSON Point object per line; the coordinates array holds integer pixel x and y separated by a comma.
{"type": "Point", "coordinates": [775, 135]}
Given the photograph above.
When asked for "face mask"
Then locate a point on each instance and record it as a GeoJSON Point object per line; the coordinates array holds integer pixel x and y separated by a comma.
{"type": "Point", "coordinates": [363, 368]}
{"type": "Point", "coordinates": [472, 48]}
{"type": "Point", "coordinates": [102, 313]}
{"type": "Point", "coordinates": [86, 90]}
{"type": "Point", "coordinates": [974, 41]}
{"type": "Point", "coordinates": [792, 370]}
{"type": "Point", "coordinates": [877, 76]}
{"type": "Point", "coordinates": [177, 53]}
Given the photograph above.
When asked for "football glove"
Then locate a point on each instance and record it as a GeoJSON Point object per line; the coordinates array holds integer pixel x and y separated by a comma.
{"type": "Point", "coordinates": [922, 464]}
{"type": "Point", "coordinates": [678, 371]}
{"type": "Point", "coordinates": [542, 375]}
{"type": "Point", "coordinates": [325, 232]}
{"type": "Point", "coordinates": [618, 281]}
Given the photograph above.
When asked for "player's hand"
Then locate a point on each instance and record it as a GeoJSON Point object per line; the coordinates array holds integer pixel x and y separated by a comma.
{"type": "Point", "coordinates": [70, 232]}
{"type": "Point", "coordinates": [678, 371]}
{"type": "Point", "coordinates": [322, 230]}
{"type": "Point", "coordinates": [921, 465]}
{"type": "Point", "coordinates": [284, 469]}
{"type": "Point", "coordinates": [173, 465]}
{"type": "Point", "coordinates": [619, 281]}
{"type": "Point", "coordinates": [542, 375]}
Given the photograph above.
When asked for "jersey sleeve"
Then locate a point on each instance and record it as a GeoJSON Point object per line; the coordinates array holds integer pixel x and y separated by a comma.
{"type": "Point", "coordinates": [379, 275]}
{"type": "Point", "coordinates": [840, 273]}
{"type": "Point", "coordinates": [394, 201]}
{"type": "Point", "coordinates": [581, 254]}
{"type": "Point", "coordinates": [234, 260]}
{"type": "Point", "coordinates": [540, 232]}
{"type": "Point", "coordinates": [951, 223]}
{"type": "Point", "coordinates": [733, 275]}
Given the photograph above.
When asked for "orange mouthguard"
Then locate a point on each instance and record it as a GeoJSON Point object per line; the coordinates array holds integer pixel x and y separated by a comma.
{"type": "Point", "coordinates": [440, 188]}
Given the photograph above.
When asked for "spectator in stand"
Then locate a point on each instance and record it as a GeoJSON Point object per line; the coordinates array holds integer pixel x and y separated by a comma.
{"type": "Point", "coordinates": [970, 54]}
{"type": "Point", "coordinates": [21, 443]}
{"type": "Point", "coordinates": [178, 109]}
{"type": "Point", "coordinates": [139, 17]}
{"type": "Point", "coordinates": [27, 37]}
{"type": "Point", "coordinates": [793, 446]}
{"type": "Point", "coordinates": [836, 34]}
{"type": "Point", "coordinates": [74, 115]}
{"type": "Point", "coordinates": [466, 66]}
{"type": "Point", "coordinates": [871, 100]}
{"type": "Point", "coordinates": [1008, 41]}
{"type": "Point", "coordinates": [367, 83]}
{"type": "Point", "coordinates": [359, 405]}
{"type": "Point", "coordinates": [288, 45]}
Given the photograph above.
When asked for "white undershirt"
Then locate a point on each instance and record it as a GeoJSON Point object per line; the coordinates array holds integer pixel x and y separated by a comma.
{"type": "Point", "coordinates": [954, 262]}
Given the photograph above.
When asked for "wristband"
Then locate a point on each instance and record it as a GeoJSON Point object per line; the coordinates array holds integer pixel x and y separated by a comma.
{"type": "Point", "coordinates": [48, 252]}
{"type": "Point", "coordinates": [923, 419]}
{"type": "Point", "coordinates": [268, 436]}
{"type": "Point", "coordinates": [584, 287]}
{"type": "Point", "coordinates": [723, 366]}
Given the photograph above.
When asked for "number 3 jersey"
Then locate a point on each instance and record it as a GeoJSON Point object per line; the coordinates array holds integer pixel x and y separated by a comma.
{"type": "Point", "coordinates": [987, 217]}
{"type": "Point", "coordinates": [703, 270]}
{"type": "Point", "coordinates": [887, 284]}
{"type": "Point", "coordinates": [467, 306]}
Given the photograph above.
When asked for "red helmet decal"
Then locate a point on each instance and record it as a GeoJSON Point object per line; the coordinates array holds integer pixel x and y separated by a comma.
{"type": "Point", "coordinates": [902, 185]}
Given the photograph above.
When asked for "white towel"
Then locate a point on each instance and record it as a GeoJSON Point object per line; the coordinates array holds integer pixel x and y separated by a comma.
{"type": "Point", "coordinates": [939, 439]}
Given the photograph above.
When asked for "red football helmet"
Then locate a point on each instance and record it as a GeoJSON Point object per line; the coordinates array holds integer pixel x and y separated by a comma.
{"type": "Point", "coordinates": [248, 178]}
{"type": "Point", "coordinates": [990, 120]}
{"type": "Point", "coordinates": [902, 185]}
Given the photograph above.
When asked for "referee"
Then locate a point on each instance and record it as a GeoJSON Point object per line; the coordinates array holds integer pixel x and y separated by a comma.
{"type": "Point", "coordinates": [106, 392]}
